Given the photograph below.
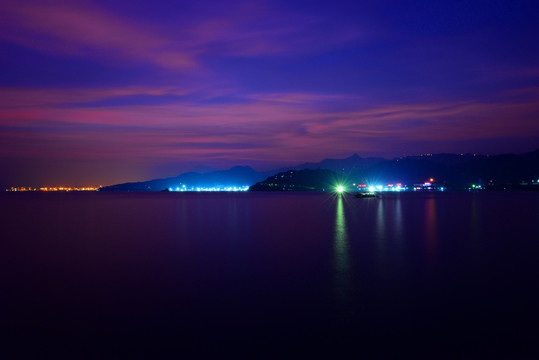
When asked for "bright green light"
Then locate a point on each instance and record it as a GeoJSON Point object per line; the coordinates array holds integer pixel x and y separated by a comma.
{"type": "Point", "coordinates": [340, 189]}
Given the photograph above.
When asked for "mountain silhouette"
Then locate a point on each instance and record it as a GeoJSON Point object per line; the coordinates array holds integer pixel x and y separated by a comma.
{"type": "Point", "coordinates": [451, 169]}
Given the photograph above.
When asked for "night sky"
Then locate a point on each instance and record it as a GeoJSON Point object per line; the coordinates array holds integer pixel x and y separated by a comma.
{"type": "Point", "coordinates": [101, 92]}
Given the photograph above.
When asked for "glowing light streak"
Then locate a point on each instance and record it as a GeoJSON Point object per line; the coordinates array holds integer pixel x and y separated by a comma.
{"type": "Point", "coordinates": [54, 188]}
{"type": "Point", "coordinates": [184, 188]}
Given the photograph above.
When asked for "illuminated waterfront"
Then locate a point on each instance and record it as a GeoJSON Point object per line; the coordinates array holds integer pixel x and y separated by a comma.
{"type": "Point", "coordinates": [185, 188]}
{"type": "Point", "coordinates": [53, 188]}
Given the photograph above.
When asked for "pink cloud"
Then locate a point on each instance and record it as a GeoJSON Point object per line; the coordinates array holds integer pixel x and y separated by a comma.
{"type": "Point", "coordinates": [29, 98]}
{"type": "Point", "coordinates": [83, 29]}
{"type": "Point", "coordinates": [276, 127]}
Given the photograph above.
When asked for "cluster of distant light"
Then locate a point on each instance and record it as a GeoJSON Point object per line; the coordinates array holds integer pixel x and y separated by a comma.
{"type": "Point", "coordinates": [55, 188]}
{"type": "Point", "coordinates": [210, 189]}
{"type": "Point", "coordinates": [398, 187]}
{"type": "Point", "coordinates": [388, 187]}
{"type": "Point", "coordinates": [476, 187]}
{"type": "Point", "coordinates": [377, 187]}
{"type": "Point", "coordinates": [427, 186]}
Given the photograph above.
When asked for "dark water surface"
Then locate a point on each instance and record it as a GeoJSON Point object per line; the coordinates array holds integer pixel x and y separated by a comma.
{"type": "Point", "coordinates": [110, 275]}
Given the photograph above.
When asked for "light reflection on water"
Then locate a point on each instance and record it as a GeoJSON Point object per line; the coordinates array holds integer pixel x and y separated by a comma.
{"type": "Point", "coordinates": [398, 220]}
{"type": "Point", "coordinates": [381, 232]}
{"type": "Point", "coordinates": [380, 221]}
{"type": "Point", "coordinates": [342, 262]}
{"type": "Point", "coordinates": [340, 245]}
{"type": "Point", "coordinates": [388, 229]}
{"type": "Point", "coordinates": [431, 232]}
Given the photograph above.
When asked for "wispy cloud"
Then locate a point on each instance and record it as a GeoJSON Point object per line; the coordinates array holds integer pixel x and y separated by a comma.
{"type": "Point", "coordinates": [82, 29]}
{"type": "Point", "coordinates": [271, 126]}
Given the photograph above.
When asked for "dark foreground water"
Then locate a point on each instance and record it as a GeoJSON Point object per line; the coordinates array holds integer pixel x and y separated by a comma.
{"type": "Point", "coordinates": [109, 275]}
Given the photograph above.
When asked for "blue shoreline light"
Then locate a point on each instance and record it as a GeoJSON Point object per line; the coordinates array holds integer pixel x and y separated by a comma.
{"type": "Point", "coordinates": [184, 188]}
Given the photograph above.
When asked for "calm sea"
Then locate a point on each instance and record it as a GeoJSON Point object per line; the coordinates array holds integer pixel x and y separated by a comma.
{"type": "Point", "coordinates": [150, 275]}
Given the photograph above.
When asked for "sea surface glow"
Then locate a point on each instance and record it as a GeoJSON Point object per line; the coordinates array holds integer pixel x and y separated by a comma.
{"type": "Point", "coordinates": [270, 274]}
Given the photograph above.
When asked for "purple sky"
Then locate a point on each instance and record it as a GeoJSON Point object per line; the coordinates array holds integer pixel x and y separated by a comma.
{"type": "Point", "coordinates": [101, 92]}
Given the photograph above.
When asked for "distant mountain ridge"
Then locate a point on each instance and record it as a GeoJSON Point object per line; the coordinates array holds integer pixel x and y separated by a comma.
{"type": "Point", "coordinates": [454, 169]}
{"type": "Point", "coordinates": [353, 163]}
